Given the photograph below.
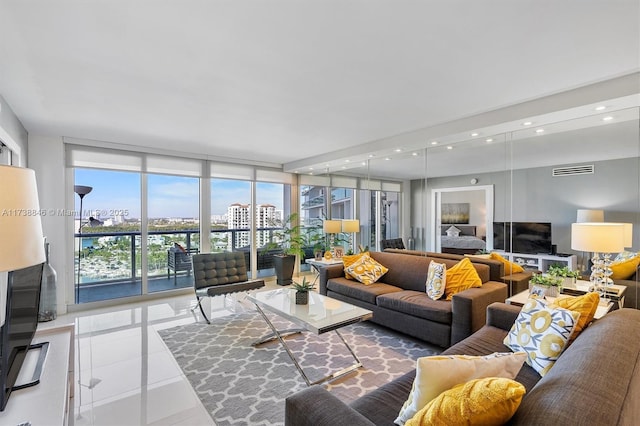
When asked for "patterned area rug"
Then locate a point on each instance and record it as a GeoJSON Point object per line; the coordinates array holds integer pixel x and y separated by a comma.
{"type": "Point", "coordinates": [242, 385]}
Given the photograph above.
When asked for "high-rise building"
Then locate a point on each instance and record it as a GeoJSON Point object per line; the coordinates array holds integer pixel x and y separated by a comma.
{"type": "Point", "coordinates": [238, 218]}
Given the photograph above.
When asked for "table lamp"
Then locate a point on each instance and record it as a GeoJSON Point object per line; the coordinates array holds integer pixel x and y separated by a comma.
{"type": "Point", "coordinates": [601, 238]}
{"type": "Point", "coordinates": [350, 227]}
{"type": "Point", "coordinates": [20, 226]}
{"type": "Point", "coordinates": [331, 227]}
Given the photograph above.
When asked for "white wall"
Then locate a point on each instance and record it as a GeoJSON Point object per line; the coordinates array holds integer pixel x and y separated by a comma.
{"type": "Point", "coordinates": [46, 157]}
{"type": "Point", "coordinates": [12, 133]}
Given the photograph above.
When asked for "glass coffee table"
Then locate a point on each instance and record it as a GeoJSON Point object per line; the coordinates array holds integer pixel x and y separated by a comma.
{"type": "Point", "coordinates": [321, 315]}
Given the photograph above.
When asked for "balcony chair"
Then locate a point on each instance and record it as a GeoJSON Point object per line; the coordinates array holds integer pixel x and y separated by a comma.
{"type": "Point", "coordinates": [216, 274]}
{"type": "Point", "coordinates": [395, 243]}
{"type": "Point", "coordinates": [179, 259]}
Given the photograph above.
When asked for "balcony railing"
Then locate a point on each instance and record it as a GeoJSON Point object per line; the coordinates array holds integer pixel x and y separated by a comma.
{"type": "Point", "coordinates": [108, 265]}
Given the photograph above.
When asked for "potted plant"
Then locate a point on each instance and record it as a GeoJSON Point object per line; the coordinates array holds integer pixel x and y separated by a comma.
{"type": "Point", "coordinates": [568, 276]}
{"type": "Point", "coordinates": [290, 242]}
{"type": "Point", "coordinates": [547, 284]}
{"type": "Point", "coordinates": [302, 291]}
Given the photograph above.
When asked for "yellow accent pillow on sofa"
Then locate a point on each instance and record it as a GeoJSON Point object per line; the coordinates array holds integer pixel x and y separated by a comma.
{"type": "Point", "coordinates": [367, 270]}
{"type": "Point", "coordinates": [509, 267]}
{"type": "Point", "coordinates": [585, 304]}
{"type": "Point", "coordinates": [623, 270]}
{"type": "Point", "coordinates": [461, 276]}
{"type": "Point", "coordinates": [482, 402]}
{"type": "Point", "coordinates": [436, 374]}
{"type": "Point", "coordinates": [350, 259]}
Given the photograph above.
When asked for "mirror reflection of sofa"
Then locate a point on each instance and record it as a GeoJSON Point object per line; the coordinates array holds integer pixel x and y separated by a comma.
{"type": "Point", "coordinates": [399, 300]}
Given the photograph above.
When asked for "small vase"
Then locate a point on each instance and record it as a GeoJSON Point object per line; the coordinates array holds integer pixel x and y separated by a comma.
{"type": "Point", "coordinates": [48, 310]}
{"type": "Point", "coordinates": [302, 297]}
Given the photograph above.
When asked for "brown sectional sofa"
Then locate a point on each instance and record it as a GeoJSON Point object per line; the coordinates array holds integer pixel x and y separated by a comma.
{"type": "Point", "coordinates": [399, 300]}
{"type": "Point", "coordinates": [596, 381]}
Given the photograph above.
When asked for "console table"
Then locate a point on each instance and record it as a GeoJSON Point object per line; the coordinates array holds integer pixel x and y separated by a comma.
{"type": "Point", "coordinates": [542, 262]}
{"type": "Point", "coordinates": [47, 403]}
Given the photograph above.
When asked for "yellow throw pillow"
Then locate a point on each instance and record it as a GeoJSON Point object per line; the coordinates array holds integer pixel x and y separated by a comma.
{"type": "Point", "coordinates": [460, 277]}
{"type": "Point", "coordinates": [542, 332]}
{"type": "Point", "coordinates": [509, 267]}
{"type": "Point", "coordinates": [586, 304]}
{"type": "Point", "coordinates": [350, 259]}
{"type": "Point", "coordinates": [366, 270]}
{"type": "Point", "coordinates": [623, 270]}
{"type": "Point", "coordinates": [436, 280]}
{"type": "Point", "coordinates": [436, 374]}
{"type": "Point", "coordinates": [482, 402]}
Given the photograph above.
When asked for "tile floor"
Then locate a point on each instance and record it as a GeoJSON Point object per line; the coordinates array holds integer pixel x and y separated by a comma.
{"type": "Point", "coordinates": [125, 375]}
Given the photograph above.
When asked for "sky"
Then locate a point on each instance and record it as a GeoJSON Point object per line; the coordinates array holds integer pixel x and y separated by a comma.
{"type": "Point", "coordinates": [169, 196]}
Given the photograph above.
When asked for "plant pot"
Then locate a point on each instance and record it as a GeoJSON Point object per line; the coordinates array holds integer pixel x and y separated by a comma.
{"type": "Point", "coordinates": [302, 297]}
{"type": "Point", "coordinates": [284, 266]}
{"type": "Point", "coordinates": [569, 282]}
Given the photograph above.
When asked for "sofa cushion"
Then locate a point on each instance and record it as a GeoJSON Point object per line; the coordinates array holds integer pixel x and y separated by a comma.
{"type": "Point", "coordinates": [381, 406]}
{"type": "Point", "coordinates": [436, 280]}
{"type": "Point", "coordinates": [487, 401]}
{"type": "Point", "coordinates": [460, 277]}
{"type": "Point", "coordinates": [543, 332]}
{"type": "Point", "coordinates": [366, 270]}
{"type": "Point", "coordinates": [439, 373]}
{"type": "Point", "coordinates": [356, 290]}
{"type": "Point", "coordinates": [417, 304]}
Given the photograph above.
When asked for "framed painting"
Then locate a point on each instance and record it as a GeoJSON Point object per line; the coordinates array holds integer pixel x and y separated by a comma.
{"type": "Point", "coordinates": [454, 213]}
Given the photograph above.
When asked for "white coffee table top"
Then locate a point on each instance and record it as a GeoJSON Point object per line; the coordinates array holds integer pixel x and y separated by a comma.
{"type": "Point", "coordinates": [320, 315]}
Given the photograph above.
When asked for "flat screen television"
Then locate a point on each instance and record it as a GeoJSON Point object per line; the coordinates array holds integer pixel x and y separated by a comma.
{"type": "Point", "coordinates": [523, 237]}
{"type": "Point", "coordinates": [21, 321]}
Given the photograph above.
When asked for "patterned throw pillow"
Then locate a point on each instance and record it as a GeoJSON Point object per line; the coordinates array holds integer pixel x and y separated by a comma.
{"type": "Point", "coordinates": [489, 401]}
{"type": "Point", "coordinates": [436, 374]}
{"type": "Point", "coordinates": [453, 232]}
{"type": "Point", "coordinates": [366, 270]}
{"type": "Point", "coordinates": [461, 276]}
{"type": "Point", "coordinates": [436, 280]}
{"type": "Point", "coordinates": [509, 267]}
{"type": "Point", "coordinates": [349, 260]}
{"type": "Point", "coordinates": [542, 332]}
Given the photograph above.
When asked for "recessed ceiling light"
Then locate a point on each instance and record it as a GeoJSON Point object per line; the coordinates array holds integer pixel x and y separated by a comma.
{"type": "Point", "coordinates": [449, 147]}
{"type": "Point", "coordinates": [398, 150]}
{"type": "Point", "coordinates": [434, 143]}
{"type": "Point", "coordinates": [364, 163]}
{"type": "Point", "coordinates": [600, 108]}
{"type": "Point", "coordinates": [539, 130]}
{"type": "Point", "coordinates": [343, 167]}
{"type": "Point", "coordinates": [474, 134]}
{"type": "Point", "coordinates": [489, 140]}
{"type": "Point", "coordinates": [527, 123]}
{"type": "Point", "coordinates": [415, 154]}
{"type": "Point", "coordinates": [387, 158]}
{"type": "Point", "coordinates": [607, 118]}
{"type": "Point", "coordinates": [327, 165]}
{"type": "Point", "coordinates": [310, 168]}
{"type": "Point", "coordinates": [371, 155]}
{"type": "Point", "coordinates": [347, 161]}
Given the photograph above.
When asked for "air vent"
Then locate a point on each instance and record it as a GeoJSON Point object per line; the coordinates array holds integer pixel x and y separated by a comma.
{"type": "Point", "coordinates": [587, 169]}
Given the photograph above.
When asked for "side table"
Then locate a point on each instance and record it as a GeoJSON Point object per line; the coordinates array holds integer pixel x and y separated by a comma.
{"type": "Point", "coordinates": [521, 298]}
{"type": "Point", "coordinates": [317, 264]}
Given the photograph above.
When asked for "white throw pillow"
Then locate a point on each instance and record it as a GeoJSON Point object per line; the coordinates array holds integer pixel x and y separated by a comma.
{"type": "Point", "coordinates": [436, 374]}
{"type": "Point", "coordinates": [436, 280]}
{"type": "Point", "coordinates": [453, 232]}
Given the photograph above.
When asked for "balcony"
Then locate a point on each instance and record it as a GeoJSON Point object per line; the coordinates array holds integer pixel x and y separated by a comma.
{"type": "Point", "coordinates": [109, 264]}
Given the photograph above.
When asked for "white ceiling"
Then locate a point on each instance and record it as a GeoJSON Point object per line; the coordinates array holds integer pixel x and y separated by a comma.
{"type": "Point", "coordinates": [288, 82]}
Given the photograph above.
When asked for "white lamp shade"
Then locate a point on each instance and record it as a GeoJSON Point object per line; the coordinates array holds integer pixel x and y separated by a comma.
{"type": "Point", "coordinates": [20, 224]}
{"type": "Point", "coordinates": [628, 234]}
{"type": "Point", "coordinates": [331, 226]}
{"type": "Point", "coordinates": [599, 237]}
{"type": "Point", "coordinates": [351, 225]}
{"type": "Point", "coordinates": [585, 215]}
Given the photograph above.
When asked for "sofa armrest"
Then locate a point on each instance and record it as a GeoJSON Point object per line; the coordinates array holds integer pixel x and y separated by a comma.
{"type": "Point", "coordinates": [326, 273]}
{"type": "Point", "coordinates": [469, 308]}
{"type": "Point", "coordinates": [315, 406]}
{"type": "Point", "coordinates": [501, 315]}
